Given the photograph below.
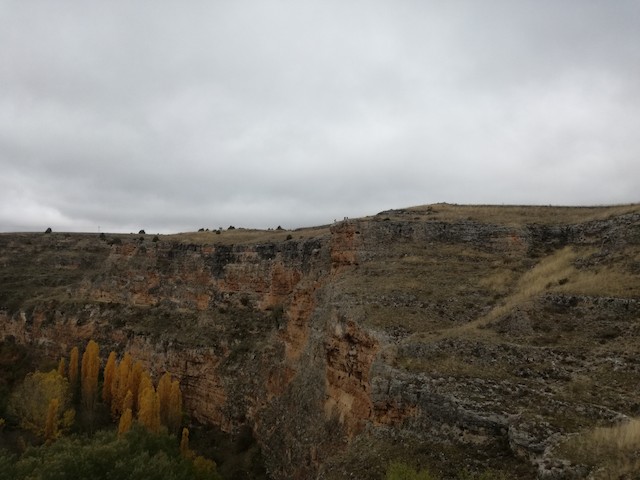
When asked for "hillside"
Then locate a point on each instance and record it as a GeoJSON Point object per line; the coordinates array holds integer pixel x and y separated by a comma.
{"type": "Point", "coordinates": [453, 337]}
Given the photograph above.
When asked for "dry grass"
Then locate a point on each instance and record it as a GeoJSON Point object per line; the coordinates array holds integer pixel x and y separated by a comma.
{"type": "Point", "coordinates": [243, 235]}
{"type": "Point", "coordinates": [551, 270]}
{"type": "Point", "coordinates": [613, 451]}
{"type": "Point", "coordinates": [453, 366]}
{"type": "Point", "coordinates": [602, 282]}
{"type": "Point", "coordinates": [519, 215]}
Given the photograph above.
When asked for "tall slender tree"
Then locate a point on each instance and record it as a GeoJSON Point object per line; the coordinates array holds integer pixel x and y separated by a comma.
{"type": "Point", "coordinates": [120, 385]}
{"type": "Point", "coordinates": [164, 397]}
{"type": "Point", "coordinates": [184, 444]}
{"type": "Point", "coordinates": [145, 382]}
{"type": "Point", "coordinates": [174, 417]}
{"type": "Point", "coordinates": [51, 424]}
{"type": "Point", "coordinates": [126, 419]}
{"type": "Point", "coordinates": [61, 367]}
{"type": "Point", "coordinates": [149, 413]}
{"type": "Point", "coordinates": [73, 369]}
{"type": "Point", "coordinates": [89, 378]}
{"type": "Point", "coordinates": [109, 372]}
{"type": "Point", "coordinates": [134, 383]}
{"type": "Point", "coordinates": [127, 403]}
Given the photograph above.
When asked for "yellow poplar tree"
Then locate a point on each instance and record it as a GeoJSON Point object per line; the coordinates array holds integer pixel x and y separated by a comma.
{"type": "Point", "coordinates": [134, 384]}
{"type": "Point", "coordinates": [164, 396]}
{"type": "Point", "coordinates": [127, 403]}
{"type": "Point", "coordinates": [89, 378]}
{"type": "Point", "coordinates": [61, 367]}
{"type": "Point", "coordinates": [120, 385]}
{"type": "Point", "coordinates": [175, 407]}
{"type": "Point", "coordinates": [73, 368]}
{"type": "Point", "coordinates": [149, 413]}
{"type": "Point", "coordinates": [145, 382]}
{"type": "Point", "coordinates": [109, 372]}
{"type": "Point", "coordinates": [184, 443]}
{"type": "Point", "coordinates": [124, 425]}
{"type": "Point", "coordinates": [51, 424]}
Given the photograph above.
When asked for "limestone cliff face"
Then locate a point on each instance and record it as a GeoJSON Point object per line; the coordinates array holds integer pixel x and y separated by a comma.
{"type": "Point", "coordinates": [400, 326]}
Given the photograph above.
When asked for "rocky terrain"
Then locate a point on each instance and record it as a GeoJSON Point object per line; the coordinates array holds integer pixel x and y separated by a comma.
{"type": "Point", "coordinates": [453, 337]}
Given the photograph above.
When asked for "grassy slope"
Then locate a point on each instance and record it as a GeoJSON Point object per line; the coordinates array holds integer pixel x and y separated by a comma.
{"type": "Point", "coordinates": [483, 314]}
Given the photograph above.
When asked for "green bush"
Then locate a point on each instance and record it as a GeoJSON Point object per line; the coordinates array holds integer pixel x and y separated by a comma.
{"type": "Point", "coordinates": [137, 455]}
{"type": "Point", "coordinates": [402, 471]}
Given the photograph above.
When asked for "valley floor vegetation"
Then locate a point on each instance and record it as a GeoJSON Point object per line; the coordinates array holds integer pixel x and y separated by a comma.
{"type": "Point", "coordinates": [83, 421]}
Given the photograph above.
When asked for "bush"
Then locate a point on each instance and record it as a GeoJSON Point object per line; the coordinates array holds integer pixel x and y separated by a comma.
{"type": "Point", "coordinates": [48, 230]}
{"type": "Point", "coordinates": [402, 471]}
{"type": "Point", "coordinates": [141, 232]}
{"type": "Point", "coordinates": [135, 455]}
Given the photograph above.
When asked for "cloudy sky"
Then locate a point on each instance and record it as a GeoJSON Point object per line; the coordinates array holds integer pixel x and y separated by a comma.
{"type": "Point", "coordinates": [175, 115]}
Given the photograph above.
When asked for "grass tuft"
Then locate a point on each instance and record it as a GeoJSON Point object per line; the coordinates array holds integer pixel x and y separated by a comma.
{"type": "Point", "coordinates": [614, 450]}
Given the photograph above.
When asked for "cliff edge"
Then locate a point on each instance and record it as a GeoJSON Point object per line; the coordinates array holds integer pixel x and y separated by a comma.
{"type": "Point", "coordinates": [448, 336]}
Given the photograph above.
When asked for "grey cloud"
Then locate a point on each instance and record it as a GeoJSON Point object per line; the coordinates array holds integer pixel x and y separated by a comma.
{"type": "Point", "coordinates": [178, 116]}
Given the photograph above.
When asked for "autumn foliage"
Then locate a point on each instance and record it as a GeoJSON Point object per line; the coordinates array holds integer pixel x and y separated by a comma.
{"type": "Point", "coordinates": [109, 372]}
{"type": "Point", "coordinates": [42, 404]}
{"type": "Point", "coordinates": [149, 413]}
{"type": "Point", "coordinates": [127, 386]}
{"type": "Point", "coordinates": [126, 420]}
{"type": "Point", "coordinates": [90, 371]}
{"type": "Point", "coordinates": [73, 367]}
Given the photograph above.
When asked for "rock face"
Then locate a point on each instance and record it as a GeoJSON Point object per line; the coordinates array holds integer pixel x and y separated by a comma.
{"type": "Point", "coordinates": [488, 341]}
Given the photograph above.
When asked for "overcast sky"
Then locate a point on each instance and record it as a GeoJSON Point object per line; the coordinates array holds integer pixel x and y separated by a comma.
{"type": "Point", "coordinates": [176, 115]}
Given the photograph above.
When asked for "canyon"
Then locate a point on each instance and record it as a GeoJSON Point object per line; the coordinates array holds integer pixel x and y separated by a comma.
{"type": "Point", "coordinates": [443, 336]}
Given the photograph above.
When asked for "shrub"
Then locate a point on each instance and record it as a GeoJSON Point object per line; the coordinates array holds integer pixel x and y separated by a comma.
{"type": "Point", "coordinates": [134, 455]}
{"type": "Point", "coordinates": [402, 471]}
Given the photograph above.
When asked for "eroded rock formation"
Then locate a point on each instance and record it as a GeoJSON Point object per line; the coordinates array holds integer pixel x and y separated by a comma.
{"type": "Point", "coordinates": [397, 328]}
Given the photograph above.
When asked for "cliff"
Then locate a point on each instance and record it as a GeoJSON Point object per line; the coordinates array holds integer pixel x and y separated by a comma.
{"type": "Point", "coordinates": [449, 336]}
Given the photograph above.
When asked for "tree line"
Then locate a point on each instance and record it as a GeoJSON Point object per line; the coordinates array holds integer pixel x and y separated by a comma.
{"type": "Point", "coordinates": [79, 394]}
